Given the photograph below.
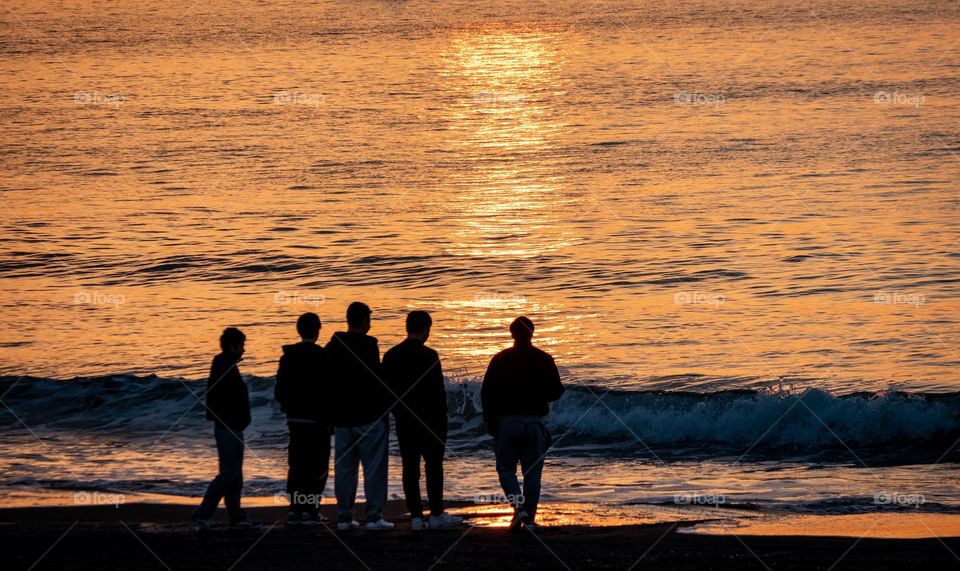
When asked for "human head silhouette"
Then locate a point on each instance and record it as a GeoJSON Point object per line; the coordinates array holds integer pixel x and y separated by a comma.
{"type": "Point", "coordinates": [522, 330]}
{"type": "Point", "coordinates": [232, 340]}
{"type": "Point", "coordinates": [418, 325]}
{"type": "Point", "coordinates": [308, 326]}
{"type": "Point", "coordinates": [358, 317]}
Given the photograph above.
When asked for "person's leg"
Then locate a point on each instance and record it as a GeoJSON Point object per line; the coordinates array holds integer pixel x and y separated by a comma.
{"type": "Point", "coordinates": [410, 452]}
{"type": "Point", "coordinates": [373, 454]}
{"type": "Point", "coordinates": [313, 467]}
{"type": "Point", "coordinates": [296, 454]}
{"type": "Point", "coordinates": [322, 455]}
{"type": "Point", "coordinates": [434, 445]}
{"type": "Point", "coordinates": [506, 447]}
{"type": "Point", "coordinates": [536, 442]}
{"type": "Point", "coordinates": [229, 466]}
{"type": "Point", "coordinates": [215, 489]}
{"type": "Point", "coordinates": [346, 468]}
{"type": "Point", "coordinates": [231, 497]}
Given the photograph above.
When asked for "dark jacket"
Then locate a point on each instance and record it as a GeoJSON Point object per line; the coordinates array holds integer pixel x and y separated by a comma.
{"type": "Point", "coordinates": [414, 374]}
{"type": "Point", "coordinates": [359, 394]}
{"type": "Point", "coordinates": [520, 380]}
{"type": "Point", "coordinates": [302, 384]}
{"type": "Point", "coordinates": [228, 403]}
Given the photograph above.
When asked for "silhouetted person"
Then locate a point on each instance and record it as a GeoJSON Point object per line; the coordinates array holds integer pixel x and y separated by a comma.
{"type": "Point", "coordinates": [519, 384]}
{"type": "Point", "coordinates": [228, 406]}
{"type": "Point", "coordinates": [413, 372]}
{"type": "Point", "coordinates": [361, 415]}
{"type": "Point", "coordinates": [303, 393]}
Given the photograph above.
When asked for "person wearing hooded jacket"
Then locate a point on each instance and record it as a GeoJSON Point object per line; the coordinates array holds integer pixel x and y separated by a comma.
{"type": "Point", "coordinates": [303, 394]}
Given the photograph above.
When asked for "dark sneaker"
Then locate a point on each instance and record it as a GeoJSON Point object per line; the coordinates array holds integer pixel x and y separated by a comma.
{"type": "Point", "coordinates": [245, 524]}
{"type": "Point", "coordinates": [205, 524]}
{"type": "Point", "coordinates": [313, 519]}
{"type": "Point", "coordinates": [517, 520]}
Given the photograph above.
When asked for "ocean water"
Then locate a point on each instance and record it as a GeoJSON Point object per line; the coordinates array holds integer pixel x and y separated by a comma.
{"type": "Point", "coordinates": [734, 226]}
{"type": "Point", "coordinates": [660, 454]}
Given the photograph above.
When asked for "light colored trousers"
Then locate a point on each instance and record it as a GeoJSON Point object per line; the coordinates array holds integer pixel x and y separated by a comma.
{"type": "Point", "coordinates": [523, 439]}
{"type": "Point", "coordinates": [367, 445]}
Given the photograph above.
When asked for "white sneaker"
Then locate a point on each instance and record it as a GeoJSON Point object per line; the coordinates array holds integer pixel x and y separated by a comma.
{"type": "Point", "coordinates": [445, 520]}
{"type": "Point", "coordinates": [348, 525]}
{"type": "Point", "coordinates": [379, 525]}
{"type": "Point", "coordinates": [418, 524]}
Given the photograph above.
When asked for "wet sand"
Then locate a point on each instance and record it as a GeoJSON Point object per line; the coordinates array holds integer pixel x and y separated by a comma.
{"type": "Point", "coordinates": [153, 536]}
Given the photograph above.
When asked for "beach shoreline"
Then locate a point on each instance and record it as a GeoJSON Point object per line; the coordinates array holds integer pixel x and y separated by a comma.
{"type": "Point", "coordinates": [142, 535]}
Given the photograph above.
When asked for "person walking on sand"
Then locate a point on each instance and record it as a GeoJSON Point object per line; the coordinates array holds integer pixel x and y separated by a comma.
{"type": "Point", "coordinates": [228, 406]}
{"type": "Point", "coordinates": [303, 395]}
{"type": "Point", "coordinates": [414, 374]}
{"type": "Point", "coordinates": [361, 415]}
{"type": "Point", "coordinates": [518, 385]}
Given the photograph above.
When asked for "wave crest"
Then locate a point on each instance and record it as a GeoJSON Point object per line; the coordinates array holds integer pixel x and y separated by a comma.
{"type": "Point", "coordinates": [588, 419]}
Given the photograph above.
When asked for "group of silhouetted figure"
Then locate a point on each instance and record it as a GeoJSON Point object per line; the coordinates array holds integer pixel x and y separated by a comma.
{"type": "Point", "coordinates": [344, 389]}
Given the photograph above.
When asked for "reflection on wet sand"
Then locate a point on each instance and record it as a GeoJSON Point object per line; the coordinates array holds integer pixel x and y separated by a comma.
{"type": "Point", "coordinates": [887, 525]}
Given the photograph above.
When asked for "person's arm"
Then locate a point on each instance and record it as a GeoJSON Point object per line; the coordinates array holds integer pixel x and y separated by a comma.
{"type": "Point", "coordinates": [213, 404]}
{"type": "Point", "coordinates": [375, 366]}
{"type": "Point", "coordinates": [488, 395]}
{"type": "Point", "coordinates": [325, 390]}
{"type": "Point", "coordinates": [554, 386]}
{"type": "Point", "coordinates": [437, 381]}
{"type": "Point", "coordinates": [280, 390]}
{"type": "Point", "coordinates": [333, 365]}
{"type": "Point", "coordinates": [387, 400]}
{"type": "Point", "coordinates": [390, 375]}
{"type": "Point", "coordinates": [242, 410]}
{"type": "Point", "coordinates": [223, 403]}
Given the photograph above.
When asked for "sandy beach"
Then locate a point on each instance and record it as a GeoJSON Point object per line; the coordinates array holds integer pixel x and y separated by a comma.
{"type": "Point", "coordinates": [152, 536]}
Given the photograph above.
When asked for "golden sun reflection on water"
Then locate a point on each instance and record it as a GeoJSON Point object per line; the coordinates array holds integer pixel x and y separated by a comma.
{"type": "Point", "coordinates": [506, 125]}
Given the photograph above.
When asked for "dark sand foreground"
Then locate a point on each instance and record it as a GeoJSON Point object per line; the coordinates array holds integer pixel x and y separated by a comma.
{"type": "Point", "coordinates": [150, 536]}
